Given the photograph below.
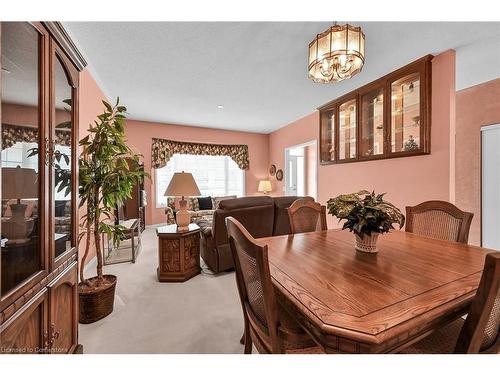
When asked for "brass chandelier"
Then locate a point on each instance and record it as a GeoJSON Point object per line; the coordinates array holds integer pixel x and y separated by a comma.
{"type": "Point", "coordinates": [336, 54]}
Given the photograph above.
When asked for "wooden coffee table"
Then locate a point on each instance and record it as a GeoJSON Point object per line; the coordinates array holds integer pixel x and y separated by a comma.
{"type": "Point", "coordinates": [178, 253]}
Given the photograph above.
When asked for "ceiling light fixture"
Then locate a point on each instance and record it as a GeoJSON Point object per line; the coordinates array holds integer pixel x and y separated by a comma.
{"type": "Point", "coordinates": [220, 106]}
{"type": "Point", "coordinates": [6, 71]}
{"type": "Point", "coordinates": [336, 54]}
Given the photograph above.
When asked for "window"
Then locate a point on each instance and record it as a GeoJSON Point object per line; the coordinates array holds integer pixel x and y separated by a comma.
{"type": "Point", "coordinates": [214, 175]}
{"type": "Point", "coordinates": [17, 155]}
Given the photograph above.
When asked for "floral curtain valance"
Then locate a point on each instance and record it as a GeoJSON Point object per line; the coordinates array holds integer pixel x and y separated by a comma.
{"type": "Point", "coordinates": [163, 149]}
{"type": "Point", "coordinates": [12, 134]}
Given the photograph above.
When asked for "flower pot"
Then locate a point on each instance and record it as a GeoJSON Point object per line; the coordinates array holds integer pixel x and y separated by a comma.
{"type": "Point", "coordinates": [96, 301]}
{"type": "Point", "coordinates": [367, 243]}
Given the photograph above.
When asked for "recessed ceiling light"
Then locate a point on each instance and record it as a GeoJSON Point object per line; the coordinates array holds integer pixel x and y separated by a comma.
{"type": "Point", "coordinates": [220, 106]}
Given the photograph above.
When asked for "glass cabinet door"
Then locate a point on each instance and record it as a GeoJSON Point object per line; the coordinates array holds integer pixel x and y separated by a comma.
{"type": "Point", "coordinates": [347, 130]}
{"type": "Point", "coordinates": [21, 160]}
{"type": "Point", "coordinates": [62, 148]}
{"type": "Point", "coordinates": [405, 114]}
{"type": "Point", "coordinates": [328, 136]}
{"type": "Point", "coordinates": [372, 124]}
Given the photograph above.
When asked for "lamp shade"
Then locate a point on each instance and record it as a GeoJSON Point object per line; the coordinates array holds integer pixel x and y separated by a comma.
{"type": "Point", "coordinates": [19, 183]}
{"type": "Point", "coordinates": [182, 184]}
{"type": "Point", "coordinates": [265, 186]}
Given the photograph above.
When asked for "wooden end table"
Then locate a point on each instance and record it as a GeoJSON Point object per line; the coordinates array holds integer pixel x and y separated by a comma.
{"type": "Point", "coordinates": [178, 253]}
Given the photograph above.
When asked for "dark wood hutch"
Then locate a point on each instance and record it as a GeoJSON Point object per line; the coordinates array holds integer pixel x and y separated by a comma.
{"type": "Point", "coordinates": [389, 117]}
{"type": "Point", "coordinates": [39, 188]}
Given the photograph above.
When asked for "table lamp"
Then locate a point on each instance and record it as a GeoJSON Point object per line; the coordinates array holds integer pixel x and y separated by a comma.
{"type": "Point", "coordinates": [265, 186]}
{"type": "Point", "coordinates": [182, 185]}
{"type": "Point", "coordinates": [18, 183]}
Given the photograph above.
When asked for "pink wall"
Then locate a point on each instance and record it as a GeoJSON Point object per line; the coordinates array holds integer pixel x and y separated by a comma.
{"type": "Point", "coordinates": [476, 106]}
{"type": "Point", "coordinates": [140, 134]}
{"type": "Point", "coordinates": [406, 181]}
{"type": "Point", "coordinates": [90, 105]}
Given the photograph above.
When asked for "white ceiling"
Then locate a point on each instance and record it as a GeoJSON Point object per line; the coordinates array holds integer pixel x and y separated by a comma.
{"type": "Point", "coordinates": [178, 72]}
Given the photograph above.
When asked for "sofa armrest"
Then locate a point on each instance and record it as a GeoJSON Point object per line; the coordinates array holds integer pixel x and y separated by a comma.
{"type": "Point", "coordinates": [169, 212]}
{"type": "Point", "coordinates": [206, 227]}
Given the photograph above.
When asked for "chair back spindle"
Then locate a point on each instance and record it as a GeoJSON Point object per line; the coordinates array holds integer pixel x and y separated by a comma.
{"type": "Point", "coordinates": [480, 332]}
{"type": "Point", "coordinates": [440, 220]}
{"type": "Point", "coordinates": [255, 287]}
{"type": "Point", "coordinates": [307, 216]}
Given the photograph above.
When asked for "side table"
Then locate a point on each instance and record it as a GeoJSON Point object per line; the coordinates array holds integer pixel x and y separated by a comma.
{"type": "Point", "coordinates": [178, 253]}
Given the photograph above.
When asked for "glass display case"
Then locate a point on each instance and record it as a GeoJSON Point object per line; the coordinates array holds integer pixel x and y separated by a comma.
{"type": "Point", "coordinates": [347, 130]}
{"type": "Point", "coordinates": [39, 128]}
{"type": "Point", "coordinates": [371, 142]}
{"type": "Point", "coordinates": [21, 162]}
{"type": "Point", "coordinates": [405, 113]}
{"type": "Point", "coordinates": [389, 117]}
{"type": "Point", "coordinates": [328, 136]}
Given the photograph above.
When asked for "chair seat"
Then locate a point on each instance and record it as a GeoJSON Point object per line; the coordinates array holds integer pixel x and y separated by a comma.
{"type": "Point", "coordinates": [442, 341]}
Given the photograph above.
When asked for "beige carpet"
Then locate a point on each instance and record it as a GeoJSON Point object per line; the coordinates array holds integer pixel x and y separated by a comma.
{"type": "Point", "coordinates": [202, 315]}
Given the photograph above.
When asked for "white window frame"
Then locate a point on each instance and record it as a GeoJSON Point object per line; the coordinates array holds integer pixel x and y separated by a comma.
{"type": "Point", "coordinates": [159, 204]}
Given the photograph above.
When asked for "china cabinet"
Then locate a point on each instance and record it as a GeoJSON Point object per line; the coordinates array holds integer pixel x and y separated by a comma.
{"type": "Point", "coordinates": [39, 173]}
{"type": "Point", "coordinates": [389, 117]}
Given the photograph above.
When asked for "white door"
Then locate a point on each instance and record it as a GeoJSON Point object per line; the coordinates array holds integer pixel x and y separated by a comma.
{"type": "Point", "coordinates": [490, 172]}
{"type": "Point", "coordinates": [291, 175]}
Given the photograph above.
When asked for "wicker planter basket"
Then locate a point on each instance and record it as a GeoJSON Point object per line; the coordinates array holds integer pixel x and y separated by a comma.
{"type": "Point", "coordinates": [367, 244]}
{"type": "Point", "coordinates": [95, 304]}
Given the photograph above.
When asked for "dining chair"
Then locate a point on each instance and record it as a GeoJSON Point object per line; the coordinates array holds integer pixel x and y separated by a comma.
{"type": "Point", "coordinates": [440, 220]}
{"type": "Point", "coordinates": [267, 325]}
{"type": "Point", "coordinates": [480, 331]}
{"type": "Point", "coordinates": [306, 215]}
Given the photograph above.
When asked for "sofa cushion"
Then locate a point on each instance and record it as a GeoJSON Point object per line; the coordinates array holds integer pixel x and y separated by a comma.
{"type": "Point", "coordinates": [246, 202]}
{"type": "Point", "coordinates": [205, 203]}
{"type": "Point", "coordinates": [256, 214]}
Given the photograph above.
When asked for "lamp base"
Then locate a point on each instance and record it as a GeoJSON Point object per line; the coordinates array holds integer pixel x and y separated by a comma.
{"type": "Point", "coordinates": [183, 217]}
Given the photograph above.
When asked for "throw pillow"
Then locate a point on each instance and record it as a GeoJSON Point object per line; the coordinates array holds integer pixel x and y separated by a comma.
{"type": "Point", "coordinates": [193, 201]}
{"type": "Point", "coordinates": [205, 203]}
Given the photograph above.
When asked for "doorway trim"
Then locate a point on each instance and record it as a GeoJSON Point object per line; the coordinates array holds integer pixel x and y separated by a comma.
{"type": "Point", "coordinates": [313, 142]}
{"type": "Point", "coordinates": [482, 129]}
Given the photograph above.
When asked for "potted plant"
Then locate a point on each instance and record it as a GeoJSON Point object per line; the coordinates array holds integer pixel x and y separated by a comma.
{"type": "Point", "coordinates": [105, 180]}
{"type": "Point", "coordinates": [367, 215]}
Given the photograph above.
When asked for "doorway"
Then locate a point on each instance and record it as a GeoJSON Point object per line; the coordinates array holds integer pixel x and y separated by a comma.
{"type": "Point", "coordinates": [301, 172]}
{"type": "Point", "coordinates": [490, 186]}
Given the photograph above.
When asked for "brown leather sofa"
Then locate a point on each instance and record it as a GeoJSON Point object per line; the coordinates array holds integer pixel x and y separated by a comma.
{"type": "Point", "coordinates": [262, 216]}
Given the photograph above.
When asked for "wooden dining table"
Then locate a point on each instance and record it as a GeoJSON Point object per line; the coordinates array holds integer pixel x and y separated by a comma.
{"type": "Point", "coordinates": [354, 302]}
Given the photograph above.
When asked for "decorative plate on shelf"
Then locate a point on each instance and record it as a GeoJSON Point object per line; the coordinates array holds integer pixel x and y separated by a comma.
{"type": "Point", "coordinates": [279, 175]}
{"type": "Point", "coordinates": [272, 170]}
